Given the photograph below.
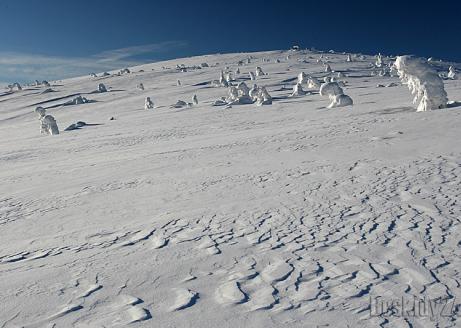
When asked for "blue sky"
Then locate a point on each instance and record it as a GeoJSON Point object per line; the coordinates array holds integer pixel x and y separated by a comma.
{"type": "Point", "coordinates": [51, 39]}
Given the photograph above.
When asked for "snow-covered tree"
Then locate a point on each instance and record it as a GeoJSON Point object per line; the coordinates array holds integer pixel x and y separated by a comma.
{"type": "Point", "coordinates": [259, 71]}
{"type": "Point", "coordinates": [302, 77]}
{"type": "Point", "coordinates": [195, 100]}
{"type": "Point", "coordinates": [423, 81]}
{"type": "Point", "coordinates": [15, 87]}
{"type": "Point", "coordinates": [252, 76]}
{"type": "Point", "coordinates": [233, 95]}
{"type": "Point", "coordinates": [148, 103]}
{"type": "Point", "coordinates": [298, 90]}
{"type": "Point", "coordinates": [243, 89]}
{"type": "Point", "coordinates": [102, 88]}
{"type": "Point", "coordinates": [51, 125]}
{"type": "Point", "coordinates": [264, 98]}
{"type": "Point", "coordinates": [349, 58]}
{"type": "Point", "coordinates": [330, 89]}
{"type": "Point", "coordinates": [340, 101]}
{"type": "Point", "coordinates": [41, 112]}
{"type": "Point", "coordinates": [327, 68]}
{"type": "Point", "coordinates": [178, 83]}
{"type": "Point", "coordinates": [313, 83]}
{"type": "Point", "coordinates": [254, 92]}
{"type": "Point", "coordinates": [47, 122]}
{"type": "Point", "coordinates": [140, 86]}
{"type": "Point", "coordinates": [451, 73]}
{"type": "Point", "coordinates": [379, 60]}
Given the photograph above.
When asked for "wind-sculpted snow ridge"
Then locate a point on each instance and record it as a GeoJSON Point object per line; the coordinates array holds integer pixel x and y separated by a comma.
{"type": "Point", "coordinates": [195, 215]}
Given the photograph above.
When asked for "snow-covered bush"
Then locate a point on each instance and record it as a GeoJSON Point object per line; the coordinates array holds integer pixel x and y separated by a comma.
{"type": "Point", "coordinates": [233, 95]}
{"type": "Point", "coordinates": [77, 101]}
{"type": "Point", "coordinates": [239, 95]}
{"type": "Point", "coordinates": [451, 73]}
{"type": "Point", "coordinates": [51, 127]}
{"type": "Point", "coordinates": [423, 81]}
{"type": "Point", "coordinates": [340, 101]}
{"type": "Point", "coordinates": [313, 83]}
{"type": "Point", "coordinates": [263, 97]}
{"type": "Point", "coordinates": [148, 104]}
{"type": "Point", "coordinates": [140, 86]}
{"type": "Point", "coordinates": [298, 90]}
{"type": "Point", "coordinates": [47, 122]}
{"type": "Point", "coordinates": [254, 92]}
{"type": "Point", "coordinates": [330, 89]}
{"type": "Point", "coordinates": [259, 71]}
{"type": "Point", "coordinates": [102, 88]}
{"type": "Point", "coordinates": [15, 87]}
{"type": "Point", "coordinates": [180, 104]}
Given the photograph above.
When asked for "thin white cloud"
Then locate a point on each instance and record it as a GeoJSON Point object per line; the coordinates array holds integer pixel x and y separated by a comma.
{"type": "Point", "coordinates": [28, 67]}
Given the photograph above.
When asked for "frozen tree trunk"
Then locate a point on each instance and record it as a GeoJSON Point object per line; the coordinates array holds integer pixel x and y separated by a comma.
{"type": "Point", "coordinates": [195, 100]}
{"type": "Point", "coordinates": [340, 101]}
{"type": "Point", "coordinates": [148, 104]}
{"type": "Point", "coordinates": [423, 81]}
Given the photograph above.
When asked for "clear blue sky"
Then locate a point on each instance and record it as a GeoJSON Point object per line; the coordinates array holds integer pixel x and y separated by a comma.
{"type": "Point", "coordinates": [47, 39]}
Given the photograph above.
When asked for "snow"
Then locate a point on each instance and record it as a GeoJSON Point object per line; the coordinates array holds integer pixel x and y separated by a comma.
{"type": "Point", "coordinates": [285, 215]}
{"type": "Point", "coordinates": [423, 81]}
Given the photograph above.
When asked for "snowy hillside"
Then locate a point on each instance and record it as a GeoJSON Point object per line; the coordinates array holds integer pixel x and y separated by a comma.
{"type": "Point", "coordinates": [283, 215]}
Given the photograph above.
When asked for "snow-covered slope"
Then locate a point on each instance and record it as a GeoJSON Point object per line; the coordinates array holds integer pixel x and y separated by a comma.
{"type": "Point", "coordinates": [289, 214]}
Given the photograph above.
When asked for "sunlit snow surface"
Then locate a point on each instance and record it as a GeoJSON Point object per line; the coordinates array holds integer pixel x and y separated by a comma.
{"type": "Point", "coordinates": [284, 215]}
